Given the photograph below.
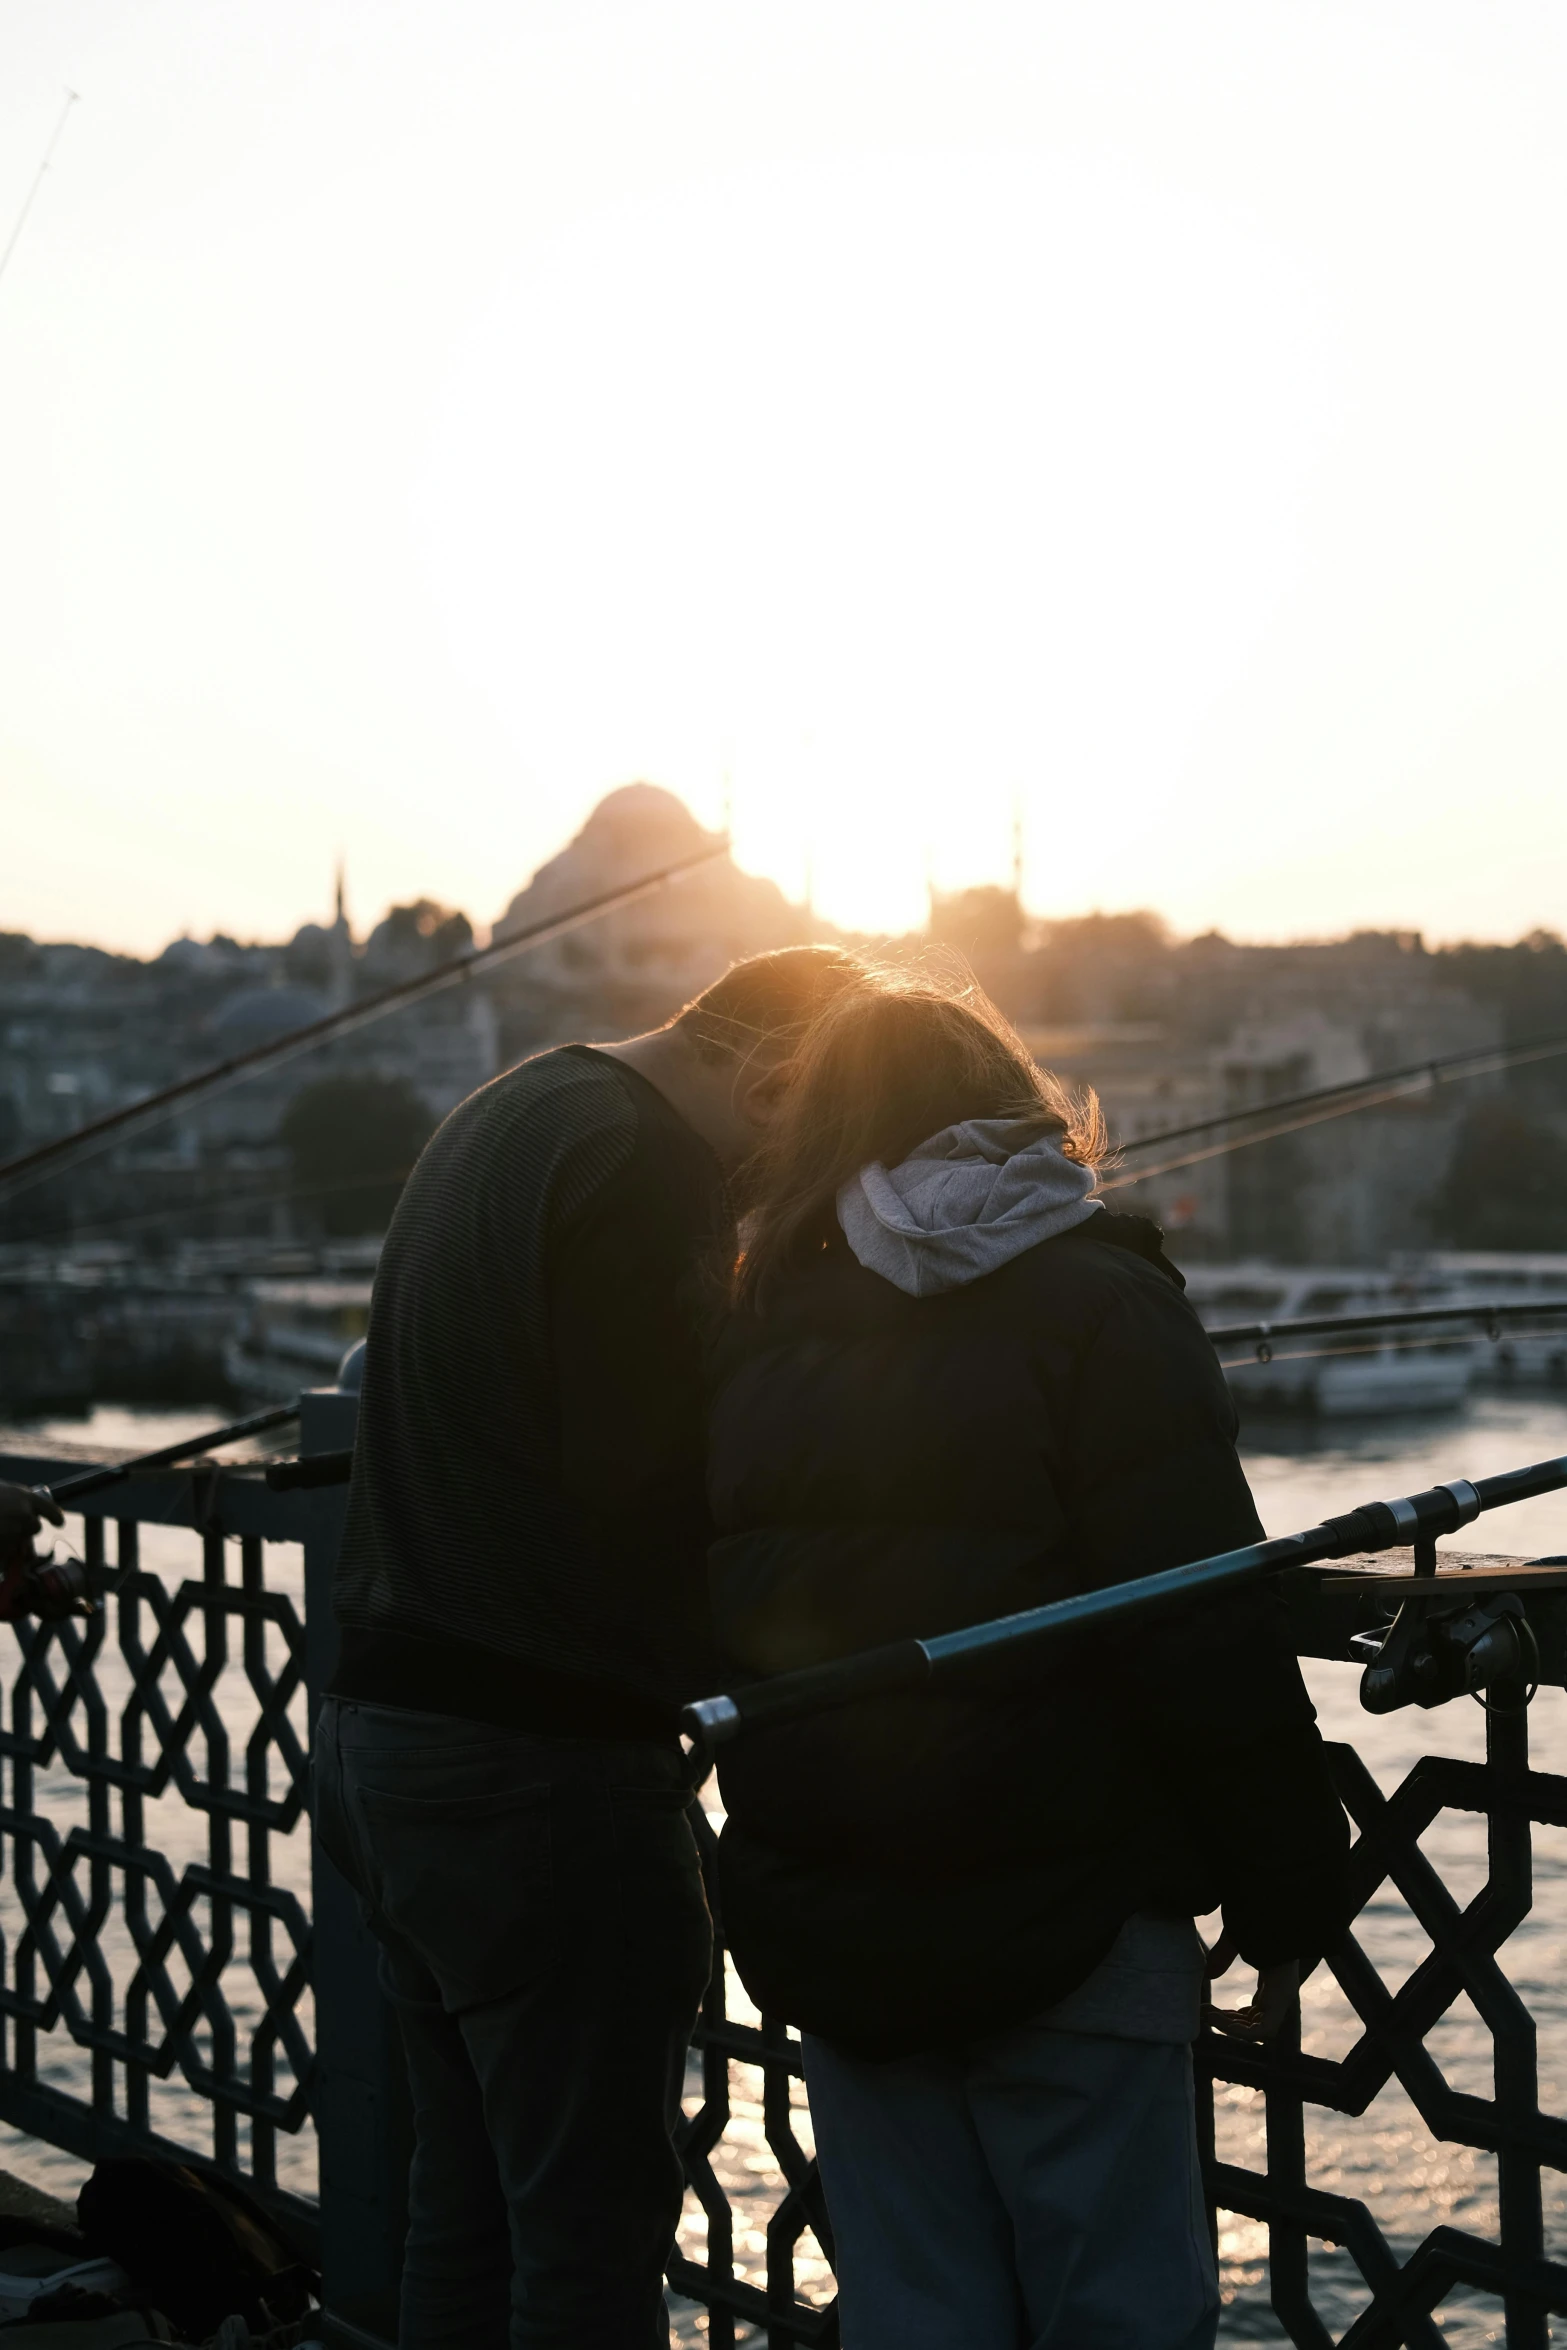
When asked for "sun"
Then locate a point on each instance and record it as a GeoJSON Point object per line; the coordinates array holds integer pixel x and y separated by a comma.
{"type": "Point", "coordinates": [897, 489]}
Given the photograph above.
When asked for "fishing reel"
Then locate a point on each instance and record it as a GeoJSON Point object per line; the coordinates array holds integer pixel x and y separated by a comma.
{"type": "Point", "coordinates": [48, 1587]}
{"type": "Point", "coordinates": [1438, 1649]}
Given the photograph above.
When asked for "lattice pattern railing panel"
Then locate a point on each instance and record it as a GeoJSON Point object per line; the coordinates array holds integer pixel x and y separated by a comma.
{"type": "Point", "coordinates": [154, 1902]}
{"type": "Point", "coordinates": [155, 1973]}
{"type": "Point", "coordinates": [755, 2245]}
{"type": "Point", "coordinates": [1406, 2045]}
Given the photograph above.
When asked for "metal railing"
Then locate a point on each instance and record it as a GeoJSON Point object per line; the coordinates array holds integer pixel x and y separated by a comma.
{"type": "Point", "coordinates": [1390, 2048]}
{"type": "Point", "coordinates": [1389, 2030]}
{"type": "Point", "coordinates": [176, 1979]}
{"type": "Point", "coordinates": [171, 1964]}
{"type": "Point", "coordinates": [156, 1766]}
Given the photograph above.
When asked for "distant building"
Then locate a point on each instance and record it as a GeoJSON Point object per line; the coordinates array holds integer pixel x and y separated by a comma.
{"type": "Point", "coordinates": [82, 1031]}
{"type": "Point", "coordinates": [1170, 1032]}
{"type": "Point", "coordinates": [1149, 1079]}
{"type": "Point", "coordinates": [1227, 1028]}
{"type": "Point", "coordinates": [632, 968]}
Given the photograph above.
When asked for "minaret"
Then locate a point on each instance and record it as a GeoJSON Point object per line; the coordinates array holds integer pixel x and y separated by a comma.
{"type": "Point", "coordinates": [342, 939]}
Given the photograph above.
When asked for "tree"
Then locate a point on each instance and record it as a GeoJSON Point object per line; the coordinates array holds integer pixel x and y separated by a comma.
{"type": "Point", "coordinates": [1526, 982]}
{"type": "Point", "coordinates": [353, 1141]}
{"type": "Point", "coordinates": [1506, 1184]}
{"type": "Point", "coordinates": [984, 920]}
{"type": "Point", "coordinates": [1101, 968]}
{"type": "Point", "coordinates": [413, 938]}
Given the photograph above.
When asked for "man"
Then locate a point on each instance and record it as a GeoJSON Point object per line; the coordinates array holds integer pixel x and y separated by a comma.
{"type": "Point", "coordinates": [522, 1595]}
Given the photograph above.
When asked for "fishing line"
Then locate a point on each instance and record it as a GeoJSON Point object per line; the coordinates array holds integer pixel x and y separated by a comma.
{"type": "Point", "coordinates": [67, 1235]}
{"type": "Point", "coordinates": [71, 98]}
{"type": "Point", "coordinates": [98, 1134]}
{"type": "Point", "coordinates": [1330, 1101]}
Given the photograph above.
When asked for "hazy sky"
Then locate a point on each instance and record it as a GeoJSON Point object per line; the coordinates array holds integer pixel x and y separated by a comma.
{"type": "Point", "coordinates": [419, 416]}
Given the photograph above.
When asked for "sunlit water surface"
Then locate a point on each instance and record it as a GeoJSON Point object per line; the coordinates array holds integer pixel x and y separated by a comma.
{"type": "Point", "coordinates": [1386, 2158]}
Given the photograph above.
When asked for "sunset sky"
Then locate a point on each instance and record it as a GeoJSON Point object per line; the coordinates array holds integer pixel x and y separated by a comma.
{"type": "Point", "coordinates": [419, 416]}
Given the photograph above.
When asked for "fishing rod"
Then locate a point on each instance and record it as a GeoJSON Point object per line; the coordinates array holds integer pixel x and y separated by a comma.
{"type": "Point", "coordinates": [1316, 1326]}
{"type": "Point", "coordinates": [68, 1235]}
{"type": "Point", "coordinates": [49, 1157]}
{"type": "Point", "coordinates": [73, 1489]}
{"type": "Point", "coordinates": [1329, 1101]}
{"type": "Point", "coordinates": [916, 1664]}
{"type": "Point", "coordinates": [71, 99]}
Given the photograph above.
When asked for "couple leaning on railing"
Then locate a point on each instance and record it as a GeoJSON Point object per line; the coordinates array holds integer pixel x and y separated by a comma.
{"type": "Point", "coordinates": [793, 1329]}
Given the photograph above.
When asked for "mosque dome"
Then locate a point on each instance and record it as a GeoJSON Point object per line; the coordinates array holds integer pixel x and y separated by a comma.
{"type": "Point", "coordinates": [188, 954]}
{"type": "Point", "coordinates": [257, 1015]}
{"type": "Point", "coordinates": [644, 815]}
{"type": "Point", "coordinates": [665, 945]}
{"type": "Point", "coordinates": [636, 830]}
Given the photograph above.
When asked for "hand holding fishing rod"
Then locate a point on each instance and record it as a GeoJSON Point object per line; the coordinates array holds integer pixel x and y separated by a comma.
{"type": "Point", "coordinates": [29, 1585]}
{"type": "Point", "coordinates": [51, 1588]}
{"type": "Point", "coordinates": [914, 1664]}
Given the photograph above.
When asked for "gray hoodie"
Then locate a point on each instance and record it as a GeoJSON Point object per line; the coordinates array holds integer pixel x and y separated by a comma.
{"type": "Point", "coordinates": [963, 1203]}
{"type": "Point", "coordinates": [967, 1201]}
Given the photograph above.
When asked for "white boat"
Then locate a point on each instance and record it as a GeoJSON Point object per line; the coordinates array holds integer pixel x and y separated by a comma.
{"type": "Point", "coordinates": [295, 1333]}
{"type": "Point", "coordinates": [1348, 1375]}
{"type": "Point", "coordinates": [1495, 1277]}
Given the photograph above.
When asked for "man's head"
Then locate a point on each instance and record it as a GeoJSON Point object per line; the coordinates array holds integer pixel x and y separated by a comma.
{"type": "Point", "coordinates": [763, 1006]}
{"type": "Point", "coordinates": [723, 1061]}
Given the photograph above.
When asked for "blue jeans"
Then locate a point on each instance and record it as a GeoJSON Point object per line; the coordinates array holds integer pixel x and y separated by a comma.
{"type": "Point", "coordinates": [1038, 2190]}
{"type": "Point", "coordinates": [545, 1942]}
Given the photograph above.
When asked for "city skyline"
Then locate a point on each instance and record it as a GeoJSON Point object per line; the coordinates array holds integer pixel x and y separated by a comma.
{"type": "Point", "coordinates": [341, 906]}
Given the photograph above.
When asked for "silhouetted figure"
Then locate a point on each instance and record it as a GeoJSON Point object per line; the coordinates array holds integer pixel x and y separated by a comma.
{"type": "Point", "coordinates": [523, 1604]}
{"type": "Point", "coordinates": [953, 1387]}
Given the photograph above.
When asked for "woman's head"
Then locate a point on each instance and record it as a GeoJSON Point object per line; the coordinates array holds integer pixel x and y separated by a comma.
{"type": "Point", "coordinates": [886, 1065]}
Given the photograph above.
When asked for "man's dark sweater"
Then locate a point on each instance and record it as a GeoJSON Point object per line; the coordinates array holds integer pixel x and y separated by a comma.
{"type": "Point", "coordinates": [527, 1526]}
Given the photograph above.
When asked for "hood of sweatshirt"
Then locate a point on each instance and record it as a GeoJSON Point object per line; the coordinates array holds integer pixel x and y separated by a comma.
{"type": "Point", "coordinates": [963, 1204]}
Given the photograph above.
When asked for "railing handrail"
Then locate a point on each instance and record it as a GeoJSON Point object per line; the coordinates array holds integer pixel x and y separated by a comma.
{"type": "Point", "coordinates": [914, 1664]}
{"type": "Point", "coordinates": [200, 1495]}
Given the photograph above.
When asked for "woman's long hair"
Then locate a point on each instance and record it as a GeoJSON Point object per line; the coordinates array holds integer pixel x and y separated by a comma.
{"type": "Point", "coordinates": [883, 1068]}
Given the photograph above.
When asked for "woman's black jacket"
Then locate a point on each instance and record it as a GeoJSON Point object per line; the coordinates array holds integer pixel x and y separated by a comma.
{"type": "Point", "coordinates": [918, 1868]}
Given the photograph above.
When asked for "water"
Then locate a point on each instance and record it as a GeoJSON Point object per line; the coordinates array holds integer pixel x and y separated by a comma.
{"type": "Point", "coordinates": [130, 1427]}
{"type": "Point", "coordinates": [1387, 2158]}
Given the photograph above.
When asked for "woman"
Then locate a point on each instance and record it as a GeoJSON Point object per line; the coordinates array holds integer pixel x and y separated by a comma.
{"type": "Point", "coordinates": [955, 1385]}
